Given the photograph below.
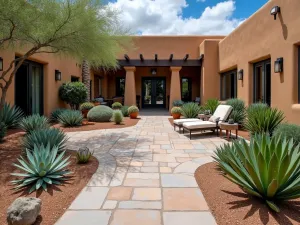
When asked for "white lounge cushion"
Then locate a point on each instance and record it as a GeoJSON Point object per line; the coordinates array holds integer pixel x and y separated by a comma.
{"type": "Point", "coordinates": [199, 124]}
{"type": "Point", "coordinates": [213, 119]}
{"type": "Point", "coordinates": [223, 111]}
{"type": "Point", "coordinates": [179, 122]}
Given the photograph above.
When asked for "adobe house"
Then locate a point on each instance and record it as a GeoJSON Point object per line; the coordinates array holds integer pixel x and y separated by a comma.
{"type": "Point", "coordinates": [258, 62]}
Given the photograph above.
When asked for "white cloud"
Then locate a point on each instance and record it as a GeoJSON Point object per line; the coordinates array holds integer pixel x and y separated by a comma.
{"type": "Point", "coordinates": [201, 0]}
{"type": "Point", "coordinates": [164, 17]}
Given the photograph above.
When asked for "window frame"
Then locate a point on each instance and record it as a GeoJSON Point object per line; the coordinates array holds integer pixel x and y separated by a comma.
{"type": "Point", "coordinates": [189, 79]}
{"type": "Point", "coordinates": [222, 76]}
{"type": "Point", "coordinates": [74, 77]}
{"type": "Point", "coordinates": [118, 93]}
{"type": "Point", "coordinates": [262, 64]}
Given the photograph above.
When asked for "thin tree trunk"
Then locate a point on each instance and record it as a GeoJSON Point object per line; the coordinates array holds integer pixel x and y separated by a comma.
{"type": "Point", "coordinates": [86, 78]}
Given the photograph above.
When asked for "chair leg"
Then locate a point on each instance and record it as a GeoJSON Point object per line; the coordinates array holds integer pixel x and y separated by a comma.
{"type": "Point", "coordinates": [174, 128]}
{"type": "Point", "coordinates": [190, 135]}
{"type": "Point", "coordinates": [182, 130]}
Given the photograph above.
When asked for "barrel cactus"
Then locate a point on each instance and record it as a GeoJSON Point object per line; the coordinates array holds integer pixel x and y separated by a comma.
{"type": "Point", "coordinates": [100, 113]}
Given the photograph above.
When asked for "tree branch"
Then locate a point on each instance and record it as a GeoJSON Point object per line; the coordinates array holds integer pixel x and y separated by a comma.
{"type": "Point", "coordinates": [10, 33]}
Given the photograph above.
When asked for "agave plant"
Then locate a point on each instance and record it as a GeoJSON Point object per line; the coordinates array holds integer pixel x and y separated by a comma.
{"type": "Point", "coordinates": [2, 131]}
{"type": "Point", "coordinates": [42, 167]}
{"type": "Point", "coordinates": [11, 115]}
{"type": "Point", "coordinates": [54, 115]}
{"type": "Point", "coordinates": [83, 155]}
{"type": "Point", "coordinates": [238, 113]}
{"type": "Point", "coordinates": [268, 168]}
{"type": "Point", "coordinates": [190, 110]}
{"type": "Point", "coordinates": [34, 122]}
{"type": "Point", "coordinates": [70, 118]}
{"type": "Point", "coordinates": [53, 137]}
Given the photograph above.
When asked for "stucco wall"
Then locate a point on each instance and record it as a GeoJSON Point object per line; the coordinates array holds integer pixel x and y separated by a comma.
{"type": "Point", "coordinates": [262, 37]}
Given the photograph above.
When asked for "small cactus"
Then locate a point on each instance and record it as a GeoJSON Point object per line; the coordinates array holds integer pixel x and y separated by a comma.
{"type": "Point", "coordinates": [117, 116]}
{"type": "Point", "coordinates": [83, 155]}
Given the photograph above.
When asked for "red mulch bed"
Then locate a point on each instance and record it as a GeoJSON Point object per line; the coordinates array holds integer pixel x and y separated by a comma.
{"type": "Point", "coordinates": [57, 199]}
{"type": "Point", "coordinates": [230, 205]}
{"type": "Point", "coordinates": [127, 122]}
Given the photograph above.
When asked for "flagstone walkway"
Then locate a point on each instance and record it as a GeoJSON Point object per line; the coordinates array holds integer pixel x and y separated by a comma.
{"type": "Point", "coordinates": [145, 176]}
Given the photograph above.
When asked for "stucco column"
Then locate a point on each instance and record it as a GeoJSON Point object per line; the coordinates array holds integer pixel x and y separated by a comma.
{"type": "Point", "coordinates": [175, 92]}
{"type": "Point", "coordinates": [130, 91]}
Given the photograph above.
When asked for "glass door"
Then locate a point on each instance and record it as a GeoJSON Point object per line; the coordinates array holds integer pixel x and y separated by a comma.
{"type": "Point", "coordinates": [154, 92]}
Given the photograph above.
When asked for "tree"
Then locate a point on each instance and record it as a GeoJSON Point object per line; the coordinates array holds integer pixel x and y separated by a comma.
{"type": "Point", "coordinates": [81, 29]}
{"type": "Point", "coordinates": [73, 93]}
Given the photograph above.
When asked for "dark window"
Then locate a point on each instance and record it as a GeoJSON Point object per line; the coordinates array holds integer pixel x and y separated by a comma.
{"type": "Point", "coordinates": [262, 82]}
{"type": "Point", "coordinates": [186, 89]}
{"type": "Point", "coordinates": [74, 79]}
{"type": "Point", "coordinates": [91, 88]}
{"type": "Point", "coordinates": [120, 86]}
{"type": "Point", "coordinates": [229, 85]}
{"type": "Point", "coordinates": [298, 74]}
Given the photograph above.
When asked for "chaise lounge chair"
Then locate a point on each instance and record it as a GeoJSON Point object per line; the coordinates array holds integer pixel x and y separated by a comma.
{"type": "Point", "coordinates": [220, 115]}
{"type": "Point", "coordinates": [179, 122]}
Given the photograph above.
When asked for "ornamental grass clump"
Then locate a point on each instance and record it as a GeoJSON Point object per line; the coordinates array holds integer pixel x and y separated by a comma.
{"type": "Point", "coordinates": [11, 115]}
{"type": "Point", "coordinates": [40, 168]}
{"type": "Point", "coordinates": [290, 131]}
{"type": "Point", "coordinates": [70, 118]}
{"type": "Point", "coordinates": [117, 117]}
{"type": "Point", "coordinates": [190, 110]}
{"type": "Point", "coordinates": [34, 122]}
{"type": "Point", "coordinates": [267, 168]}
{"type": "Point", "coordinates": [3, 130]}
{"type": "Point", "coordinates": [116, 105]}
{"type": "Point", "coordinates": [238, 113]}
{"type": "Point", "coordinates": [211, 105]}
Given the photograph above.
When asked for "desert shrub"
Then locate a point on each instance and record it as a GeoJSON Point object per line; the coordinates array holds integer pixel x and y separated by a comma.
{"type": "Point", "coordinates": [290, 131]}
{"type": "Point", "coordinates": [124, 110]}
{"type": "Point", "coordinates": [238, 113]}
{"type": "Point", "coordinates": [52, 136]}
{"type": "Point", "coordinates": [117, 117]}
{"type": "Point", "coordinates": [176, 110]}
{"type": "Point", "coordinates": [3, 130]}
{"type": "Point", "coordinates": [43, 166]}
{"type": "Point", "coordinates": [133, 109]}
{"type": "Point", "coordinates": [83, 155]}
{"type": "Point", "coordinates": [86, 106]}
{"type": "Point", "coordinates": [100, 113]}
{"type": "Point", "coordinates": [190, 110]}
{"type": "Point", "coordinates": [178, 103]}
{"type": "Point", "coordinates": [261, 119]}
{"type": "Point", "coordinates": [211, 105]}
{"type": "Point", "coordinates": [54, 115]}
{"type": "Point", "coordinates": [73, 93]}
{"type": "Point", "coordinates": [70, 118]}
{"type": "Point", "coordinates": [268, 168]}
{"type": "Point", "coordinates": [256, 106]}
{"type": "Point", "coordinates": [116, 105]}
{"type": "Point", "coordinates": [34, 122]}
{"type": "Point", "coordinates": [11, 115]}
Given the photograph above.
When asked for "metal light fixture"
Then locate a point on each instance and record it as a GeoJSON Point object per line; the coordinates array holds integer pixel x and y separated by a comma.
{"type": "Point", "coordinates": [1, 64]}
{"type": "Point", "coordinates": [153, 71]}
{"type": "Point", "coordinates": [278, 65]}
{"type": "Point", "coordinates": [241, 75]}
{"type": "Point", "coordinates": [274, 11]}
{"type": "Point", "coordinates": [57, 75]}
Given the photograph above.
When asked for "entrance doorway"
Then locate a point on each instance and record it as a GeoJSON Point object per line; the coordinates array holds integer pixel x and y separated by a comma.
{"type": "Point", "coordinates": [29, 88]}
{"type": "Point", "coordinates": [262, 82]}
{"type": "Point", "coordinates": [154, 92]}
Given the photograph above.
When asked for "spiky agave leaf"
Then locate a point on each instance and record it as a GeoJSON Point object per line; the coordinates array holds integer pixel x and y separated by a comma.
{"type": "Point", "coordinates": [11, 115]}
{"type": "Point", "coordinates": [34, 122]}
{"type": "Point", "coordinates": [268, 167]}
{"type": "Point", "coordinates": [43, 167]}
{"type": "Point", "coordinates": [190, 110]}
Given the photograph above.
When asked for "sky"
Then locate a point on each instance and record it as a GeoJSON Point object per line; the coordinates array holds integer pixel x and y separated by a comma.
{"type": "Point", "coordinates": [183, 17]}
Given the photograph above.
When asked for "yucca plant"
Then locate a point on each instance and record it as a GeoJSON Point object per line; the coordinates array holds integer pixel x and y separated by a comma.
{"type": "Point", "coordinates": [11, 115]}
{"type": "Point", "coordinates": [238, 113]}
{"type": "Point", "coordinates": [70, 118]}
{"type": "Point", "coordinates": [83, 155]}
{"type": "Point", "coordinates": [117, 116]}
{"type": "Point", "coordinates": [268, 168]}
{"type": "Point", "coordinates": [34, 122]}
{"type": "Point", "coordinates": [55, 114]}
{"type": "Point", "coordinates": [3, 130]}
{"type": "Point", "coordinates": [42, 167]}
{"type": "Point", "coordinates": [211, 105]}
{"type": "Point", "coordinates": [190, 110]}
{"type": "Point", "coordinates": [52, 136]}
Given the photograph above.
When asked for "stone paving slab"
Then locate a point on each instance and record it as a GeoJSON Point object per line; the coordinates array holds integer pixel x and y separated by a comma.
{"type": "Point", "coordinates": [188, 218]}
{"type": "Point", "coordinates": [94, 217]}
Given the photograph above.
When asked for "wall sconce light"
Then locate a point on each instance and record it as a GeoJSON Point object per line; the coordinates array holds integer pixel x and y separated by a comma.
{"type": "Point", "coordinates": [57, 75]}
{"type": "Point", "coordinates": [278, 65]}
{"type": "Point", "coordinates": [1, 64]}
{"type": "Point", "coordinates": [241, 75]}
{"type": "Point", "coordinates": [274, 11]}
{"type": "Point", "coordinates": [153, 71]}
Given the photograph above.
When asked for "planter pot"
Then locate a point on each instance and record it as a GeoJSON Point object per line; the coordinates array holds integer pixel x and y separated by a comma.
{"type": "Point", "coordinates": [176, 116]}
{"type": "Point", "coordinates": [85, 112]}
{"type": "Point", "coordinates": [96, 103]}
{"type": "Point", "coordinates": [134, 115]}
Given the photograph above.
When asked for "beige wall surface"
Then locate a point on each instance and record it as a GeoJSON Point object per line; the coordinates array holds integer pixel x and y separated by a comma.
{"type": "Point", "coordinates": [261, 37]}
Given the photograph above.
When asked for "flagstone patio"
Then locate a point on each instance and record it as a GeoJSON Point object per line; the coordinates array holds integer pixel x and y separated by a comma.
{"type": "Point", "coordinates": [145, 176]}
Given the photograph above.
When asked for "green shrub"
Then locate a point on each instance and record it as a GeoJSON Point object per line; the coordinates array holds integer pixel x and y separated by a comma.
{"type": "Point", "coordinates": [268, 168]}
{"type": "Point", "coordinates": [73, 93]}
{"type": "Point", "coordinates": [42, 167]}
{"type": "Point", "coordinates": [100, 113]}
{"type": "Point", "coordinates": [133, 109]}
{"type": "Point", "coordinates": [211, 105]}
{"type": "Point", "coordinates": [116, 105]}
{"type": "Point", "coordinates": [86, 106]}
{"type": "Point", "coordinates": [290, 131]}
{"type": "Point", "coordinates": [261, 119]}
{"type": "Point", "coordinates": [70, 118]}
{"type": "Point", "coordinates": [34, 122]}
{"type": "Point", "coordinates": [178, 103]}
{"type": "Point", "coordinates": [190, 110]}
{"type": "Point", "coordinates": [52, 136]}
{"type": "Point", "coordinates": [117, 117]}
{"type": "Point", "coordinates": [3, 130]}
{"type": "Point", "coordinates": [11, 115]}
{"type": "Point", "coordinates": [83, 155]}
{"type": "Point", "coordinates": [256, 106]}
{"type": "Point", "coordinates": [238, 113]}
{"type": "Point", "coordinates": [176, 110]}
{"type": "Point", "coordinates": [54, 115]}
{"type": "Point", "coordinates": [124, 110]}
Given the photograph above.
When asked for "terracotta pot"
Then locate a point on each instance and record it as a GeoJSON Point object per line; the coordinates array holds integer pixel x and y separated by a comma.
{"type": "Point", "coordinates": [96, 103]}
{"type": "Point", "coordinates": [85, 112]}
{"type": "Point", "coordinates": [176, 116]}
{"type": "Point", "coordinates": [134, 115]}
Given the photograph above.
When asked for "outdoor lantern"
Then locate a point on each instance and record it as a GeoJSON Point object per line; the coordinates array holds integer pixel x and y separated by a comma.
{"type": "Point", "coordinates": [278, 65]}
{"type": "Point", "coordinates": [153, 71]}
{"type": "Point", "coordinates": [240, 74]}
{"type": "Point", "coordinates": [274, 11]}
{"type": "Point", "coordinates": [57, 75]}
{"type": "Point", "coordinates": [1, 64]}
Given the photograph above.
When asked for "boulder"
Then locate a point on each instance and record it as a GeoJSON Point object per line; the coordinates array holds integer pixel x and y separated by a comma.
{"type": "Point", "coordinates": [24, 211]}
